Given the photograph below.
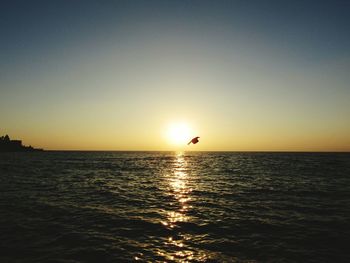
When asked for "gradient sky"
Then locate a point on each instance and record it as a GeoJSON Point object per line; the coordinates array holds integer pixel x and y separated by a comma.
{"type": "Point", "coordinates": [112, 75]}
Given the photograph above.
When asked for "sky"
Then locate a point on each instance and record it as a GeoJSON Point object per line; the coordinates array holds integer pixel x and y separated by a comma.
{"type": "Point", "coordinates": [115, 75]}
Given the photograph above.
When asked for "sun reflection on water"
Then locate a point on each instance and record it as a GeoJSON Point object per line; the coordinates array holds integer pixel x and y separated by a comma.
{"type": "Point", "coordinates": [179, 188]}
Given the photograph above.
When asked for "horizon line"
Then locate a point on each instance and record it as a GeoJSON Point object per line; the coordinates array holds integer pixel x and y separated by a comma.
{"type": "Point", "coordinates": [231, 151]}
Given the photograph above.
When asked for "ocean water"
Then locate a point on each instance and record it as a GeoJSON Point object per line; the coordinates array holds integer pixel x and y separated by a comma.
{"type": "Point", "coordinates": [174, 207]}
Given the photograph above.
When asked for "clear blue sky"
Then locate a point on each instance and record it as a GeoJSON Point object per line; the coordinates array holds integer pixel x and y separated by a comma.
{"type": "Point", "coordinates": [258, 75]}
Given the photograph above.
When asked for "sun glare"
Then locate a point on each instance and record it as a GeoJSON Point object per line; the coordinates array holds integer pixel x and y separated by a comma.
{"type": "Point", "coordinates": [179, 134]}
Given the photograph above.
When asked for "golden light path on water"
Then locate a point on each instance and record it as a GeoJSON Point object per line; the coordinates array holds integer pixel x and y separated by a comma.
{"type": "Point", "coordinates": [180, 189]}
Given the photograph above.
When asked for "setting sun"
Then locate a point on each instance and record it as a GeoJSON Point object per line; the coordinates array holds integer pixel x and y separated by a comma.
{"type": "Point", "coordinates": [179, 133]}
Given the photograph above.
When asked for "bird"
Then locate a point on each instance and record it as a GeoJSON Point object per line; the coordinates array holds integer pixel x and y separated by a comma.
{"type": "Point", "coordinates": [194, 140]}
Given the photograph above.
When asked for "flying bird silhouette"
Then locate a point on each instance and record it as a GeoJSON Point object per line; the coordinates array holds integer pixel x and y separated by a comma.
{"type": "Point", "coordinates": [194, 140]}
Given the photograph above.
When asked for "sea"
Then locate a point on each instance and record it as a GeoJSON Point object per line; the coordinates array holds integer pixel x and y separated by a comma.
{"type": "Point", "coordinates": [74, 207]}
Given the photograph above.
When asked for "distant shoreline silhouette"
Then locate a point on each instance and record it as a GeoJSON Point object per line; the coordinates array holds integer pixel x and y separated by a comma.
{"type": "Point", "coordinates": [8, 145]}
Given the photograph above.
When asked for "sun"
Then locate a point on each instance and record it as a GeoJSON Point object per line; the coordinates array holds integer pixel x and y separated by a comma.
{"type": "Point", "coordinates": [179, 133]}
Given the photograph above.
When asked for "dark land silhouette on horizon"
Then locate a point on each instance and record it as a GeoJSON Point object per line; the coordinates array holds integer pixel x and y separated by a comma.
{"type": "Point", "coordinates": [8, 145]}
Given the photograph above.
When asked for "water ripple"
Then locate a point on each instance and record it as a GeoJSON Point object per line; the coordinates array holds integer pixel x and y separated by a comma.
{"type": "Point", "coordinates": [174, 207]}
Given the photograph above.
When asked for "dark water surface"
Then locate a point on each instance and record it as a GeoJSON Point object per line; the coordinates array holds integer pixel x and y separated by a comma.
{"type": "Point", "coordinates": [164, 206]}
